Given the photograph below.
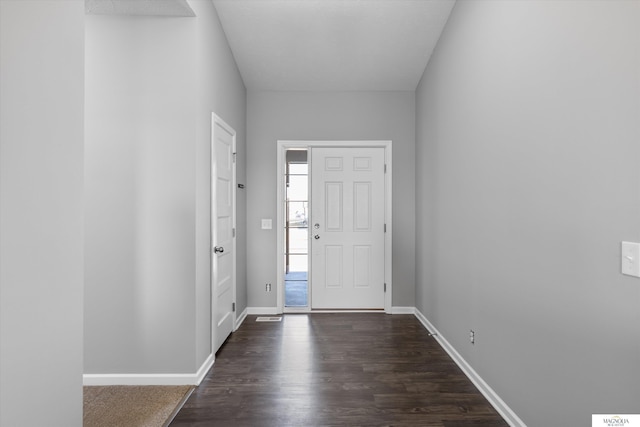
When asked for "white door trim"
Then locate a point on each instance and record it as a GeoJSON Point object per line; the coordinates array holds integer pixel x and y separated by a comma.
{"type": "Point", "coordinates": [215, 119]}
{"type": "Point", "coordinates": [388, 237]}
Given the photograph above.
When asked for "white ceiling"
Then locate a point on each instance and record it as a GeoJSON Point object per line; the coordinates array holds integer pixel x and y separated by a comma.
{"type": "Point", "coordinates": [332, 45]}
{"type": "Point", "coordinates": [138, 7]}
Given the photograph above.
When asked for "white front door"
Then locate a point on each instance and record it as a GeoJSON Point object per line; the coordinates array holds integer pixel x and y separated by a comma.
{"type": "Point", "coordinates": [222, 230]}
{"type": "Point", "coordinates": [347, 228]}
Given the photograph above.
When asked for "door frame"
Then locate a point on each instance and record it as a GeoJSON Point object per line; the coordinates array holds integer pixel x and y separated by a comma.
{"type": "Point", "coordinates": [282, 147]}
{"type": "Point", "coordinates": [215, 119]}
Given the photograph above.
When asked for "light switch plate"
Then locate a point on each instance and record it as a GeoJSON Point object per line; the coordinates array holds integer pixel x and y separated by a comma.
{"type": "Point", "coordinates": [267, 224]}
{"type": "Point", "coordinates": [630, 259]}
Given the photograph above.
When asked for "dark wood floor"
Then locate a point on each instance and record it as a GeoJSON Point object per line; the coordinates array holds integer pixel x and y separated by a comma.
{"type": "Point", "coordinates": [351, 369]}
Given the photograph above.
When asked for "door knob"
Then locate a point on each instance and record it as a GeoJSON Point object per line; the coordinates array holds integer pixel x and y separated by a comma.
{"type": "Point", "coordinates": [316, 237]}
{"type": "Point", "coordinates": [218, 249]}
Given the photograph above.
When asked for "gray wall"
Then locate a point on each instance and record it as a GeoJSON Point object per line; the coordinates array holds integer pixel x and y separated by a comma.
{"type": "Point", "coordinates": [220, 89]}
{"type": "Point", "coordinates": [152, 83]}
{"type": "Point", "coordinates": [41, 261]}
{"type": "Point", "coordinates": [273, 116]}
{"type": "Point", "coordinates": [140, 195]}
{"type": "Point", "coordinates": [527, 141]}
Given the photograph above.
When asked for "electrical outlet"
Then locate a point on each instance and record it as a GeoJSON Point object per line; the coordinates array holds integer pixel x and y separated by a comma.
{"type": "Point", "coordinates": [472, 336]}
{"type": "Point", "coordinates": [267, 287]}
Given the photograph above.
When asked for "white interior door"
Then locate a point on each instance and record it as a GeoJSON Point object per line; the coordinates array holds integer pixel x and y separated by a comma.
{"type": "Point", "coordinates": [222, 231]}
{"type": "Point", "coordinates": [347, 228]}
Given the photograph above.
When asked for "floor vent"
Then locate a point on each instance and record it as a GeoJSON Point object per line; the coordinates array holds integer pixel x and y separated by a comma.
{"type": "Point", "coordinates": [269, 319]}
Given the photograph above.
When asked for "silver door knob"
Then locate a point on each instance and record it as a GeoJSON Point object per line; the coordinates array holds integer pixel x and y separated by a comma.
{"type": "Point", "coordinates": [316, 237]}
{"type": "Point", "coordinates": [218, 249]}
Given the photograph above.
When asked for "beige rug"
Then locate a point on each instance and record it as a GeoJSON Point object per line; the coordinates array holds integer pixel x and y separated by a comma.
{"type": "Point", "coordinates": [132, 406]}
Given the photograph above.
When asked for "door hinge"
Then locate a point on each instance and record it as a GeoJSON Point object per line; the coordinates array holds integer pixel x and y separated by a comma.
{"type": "Point", "coordinates": [233, 307]}
{"type": "Point", "coordinates": [385, 228]}
{"type": "Point", "coordinates": [385, 287]}
{"type": "Point", "coordinates": [233, 232]}
{"type": "Point", "coordinates": [234, 157]}
{"type": "Point", "coordinates": [385, 168]}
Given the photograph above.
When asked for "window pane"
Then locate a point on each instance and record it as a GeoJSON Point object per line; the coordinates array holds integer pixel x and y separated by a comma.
{"type": "Point", "coordinates": [298, 187]}
{"type": "Point", "coordinates": [297, 263]}
{"type": "Point", "coordinates": [296, 289]}
{"type": "Point", "coordinates": [298, 240]}
{"type": "Point", "coordinates": [297, 213]}
{"type": "Point", "coordinates": [298, 168]}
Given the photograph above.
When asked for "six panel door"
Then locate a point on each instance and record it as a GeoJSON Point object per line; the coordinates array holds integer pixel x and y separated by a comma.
{"type": "Point", "coordinates": [347, 228]}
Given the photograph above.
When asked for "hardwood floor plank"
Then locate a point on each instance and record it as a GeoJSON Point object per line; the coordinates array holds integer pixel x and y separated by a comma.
{"type": "Point", "coordinates": [338, 369]}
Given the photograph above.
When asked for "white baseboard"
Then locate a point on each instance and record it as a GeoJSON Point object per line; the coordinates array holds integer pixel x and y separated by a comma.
{"type": "Point", "coordinates": [272, 311]}
{"type": "Point", "coordinates": [240, 319]}
{"type": "Point", "coordinates": [403, 310]}
{"type": "Point", "coordinates": [507, 413]}
{"type": "Point", "coordinates": [205, 368]}
{"type": "Point", "coordinates": [150, 379]}
{"type": "Point", "coordinates": [267, 311]}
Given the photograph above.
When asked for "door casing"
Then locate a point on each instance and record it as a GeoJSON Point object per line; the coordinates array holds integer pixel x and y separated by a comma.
{"type": "Point", "coordinates": [283, 146]}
